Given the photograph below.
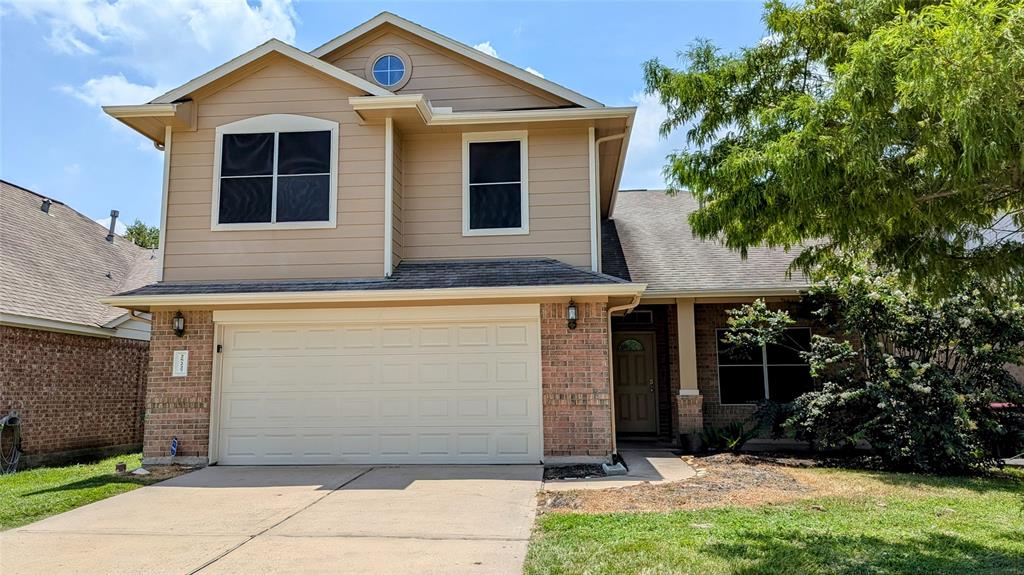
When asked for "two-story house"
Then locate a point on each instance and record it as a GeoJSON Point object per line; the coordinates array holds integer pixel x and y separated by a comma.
{"type": "Point", "coordinates": [395, 248]}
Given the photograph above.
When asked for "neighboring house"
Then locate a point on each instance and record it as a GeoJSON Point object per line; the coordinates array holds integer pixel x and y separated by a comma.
{"type": "Point", "coordinates": [396, 249]}
{"type": "Point", "coordinates": [73, 368]}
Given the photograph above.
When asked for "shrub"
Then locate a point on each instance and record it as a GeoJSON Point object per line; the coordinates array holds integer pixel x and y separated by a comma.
{"type": "Point", "coordinates": [731, 437]}
{"type": "Point", "coordinates": [914, 377]}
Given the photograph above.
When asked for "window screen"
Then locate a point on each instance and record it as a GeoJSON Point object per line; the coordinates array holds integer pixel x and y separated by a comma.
{"type": "Point", "coordinates": [255, 189]}
{"type": "Point", "coordinates": [776, 371]}
{"type": "Point", "coordinates": [495, 185]}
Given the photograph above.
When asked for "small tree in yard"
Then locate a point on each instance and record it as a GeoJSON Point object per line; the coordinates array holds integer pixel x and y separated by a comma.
{"type": "Point", "coordinates": [913, 375]}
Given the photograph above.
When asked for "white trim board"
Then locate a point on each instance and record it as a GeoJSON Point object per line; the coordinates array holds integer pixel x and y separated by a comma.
{"type": "Point", "coordinates": [395, 295]}
{"type": "Point", "coordinates": [43, 324]}
{"type": "Point", "coordinates": [459, 48]}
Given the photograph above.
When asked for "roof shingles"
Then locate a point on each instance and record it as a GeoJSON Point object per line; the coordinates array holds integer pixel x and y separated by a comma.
{"type": "Point", "coordinates": [408, 276]}
{"type": "Point", "coordinates": [57, 265]}
{"type": "Point", "coordinates": [662, 251]}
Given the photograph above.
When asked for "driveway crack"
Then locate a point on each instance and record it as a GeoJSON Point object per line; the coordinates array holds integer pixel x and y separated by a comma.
{"type": "Point", "coordinates": [233, 548]}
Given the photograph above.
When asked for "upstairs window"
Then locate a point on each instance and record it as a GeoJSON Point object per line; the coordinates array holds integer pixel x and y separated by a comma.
{"type": "Point", "coordinates": [495, 199]}
{"type": "Point", "coordinates": [775, 371]}
{"type": "Point", "coordinates": [273, 172]}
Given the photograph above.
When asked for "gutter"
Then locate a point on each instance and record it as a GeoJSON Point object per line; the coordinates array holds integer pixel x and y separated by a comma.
{"type": "Point", "coordinates": [43, 324]}
{"type": "Point", "coordinates": [371, 296]}
{"type": "Point", "coordinates": [748, 292]}
{"type": "Point", "coordinates": [432, 116]}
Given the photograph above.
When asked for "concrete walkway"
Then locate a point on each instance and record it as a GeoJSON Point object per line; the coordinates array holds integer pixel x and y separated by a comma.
{"type": "Point", "coordinates": [645, 466]}
{"type": "Point", "coordinates": [316, 519]}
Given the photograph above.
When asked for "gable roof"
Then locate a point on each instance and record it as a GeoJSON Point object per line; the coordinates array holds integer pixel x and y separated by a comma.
{"type": "Point", "coordinates": [55, 266]}
{"type": "Point", "coordinates": [270, 46]}
{"type": "Point", "coordinates": [520, 74]}
{"type": "Point", "coordinates": [661, 250]}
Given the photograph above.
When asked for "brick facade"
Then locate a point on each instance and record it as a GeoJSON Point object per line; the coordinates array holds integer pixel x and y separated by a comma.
{"type": "Point", "coordinates": [77, 395]}
{"type": "Point", "coordinates": [574, 367]}
{"type": "Point", "coordinates": [576, 385]}
{"type": "Point", "coordinates": [179, 406]}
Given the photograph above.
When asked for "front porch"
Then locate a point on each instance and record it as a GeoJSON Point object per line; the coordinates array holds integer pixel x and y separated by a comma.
{"type": "Point", "coordinates": [666, 367]}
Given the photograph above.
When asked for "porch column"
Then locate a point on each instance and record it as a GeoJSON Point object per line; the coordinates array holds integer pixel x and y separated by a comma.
{"type": "Point", "coordinates": [689, 401]}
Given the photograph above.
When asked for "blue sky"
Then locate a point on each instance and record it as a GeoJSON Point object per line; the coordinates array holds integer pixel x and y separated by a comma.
{"type": "Point", "coordinates": [60, 62]}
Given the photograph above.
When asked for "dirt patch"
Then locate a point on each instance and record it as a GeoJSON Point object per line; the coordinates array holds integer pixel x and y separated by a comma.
{"type": "Point", "coordinates": [722, 480]}
{"type": "Point", "coordinates": [573, 471]}
{"type": "Point", "coordinates": [161, 472]}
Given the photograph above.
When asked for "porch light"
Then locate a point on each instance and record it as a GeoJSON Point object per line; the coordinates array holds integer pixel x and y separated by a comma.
{"type": "Point", "coordinates": [572, 314]}
{"type": "Point", "coordinates": [178, 324]}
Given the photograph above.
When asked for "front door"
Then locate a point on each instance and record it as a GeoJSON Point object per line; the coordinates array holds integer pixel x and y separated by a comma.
{"type": "Point", "coordinates": [635, 400]}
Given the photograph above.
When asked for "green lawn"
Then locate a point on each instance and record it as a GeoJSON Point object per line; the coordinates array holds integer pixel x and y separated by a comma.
{"type": "Point", "coordinates": [33, 494]}
{"type": "Point", "coordinates": [884, 524]}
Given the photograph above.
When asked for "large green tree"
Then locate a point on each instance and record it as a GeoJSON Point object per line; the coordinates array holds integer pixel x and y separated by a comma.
{"type": "Point", "coordinates": [880, 128]}
{"type": "Point", "coordinates": [142, 235]}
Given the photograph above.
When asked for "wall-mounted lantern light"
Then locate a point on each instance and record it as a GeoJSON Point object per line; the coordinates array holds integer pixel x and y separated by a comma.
{"type": "Point", "coordinates": [178, 324]}
{"type": "Point", "coordinates": [572, 314]}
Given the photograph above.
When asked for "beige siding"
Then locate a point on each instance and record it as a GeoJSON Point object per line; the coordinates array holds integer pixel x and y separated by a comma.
{"type": "Point", "coordinates": [397, 240]}
{"type": "Point", "coordinates": [558, 194]}
{"type": "Point", "coordinates": [445, 77]}
{"type": "Point", "coordinates": [352, 249]}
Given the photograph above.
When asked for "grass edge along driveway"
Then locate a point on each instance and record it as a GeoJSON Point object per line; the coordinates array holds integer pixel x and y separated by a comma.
{"type": "Point", "coordinates": [893, 523]}
{"type": "Point", "coordinates": [34, 494]}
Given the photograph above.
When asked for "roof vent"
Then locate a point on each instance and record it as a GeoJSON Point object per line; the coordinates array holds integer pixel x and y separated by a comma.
{"type": "Point", "coordinates": [46, 205]}
{"type": "Point", "coordinates": [113, 223]}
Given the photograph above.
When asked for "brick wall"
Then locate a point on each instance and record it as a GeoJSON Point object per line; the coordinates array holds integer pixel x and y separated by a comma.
{"type": "Point", "coordinates": [708, 318]}
{"type": "Point", "coordinates": [179, 406]}
{"type": "Point", "coordinates": [576, 388]}
{"type": "Point", "coordinates": [74, 393]}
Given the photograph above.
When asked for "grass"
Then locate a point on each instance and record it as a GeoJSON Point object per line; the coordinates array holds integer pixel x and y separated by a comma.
{"type": "Point", "coordinates": [33, 494]}
{"type": "Point", "coordinates": [871, 523]}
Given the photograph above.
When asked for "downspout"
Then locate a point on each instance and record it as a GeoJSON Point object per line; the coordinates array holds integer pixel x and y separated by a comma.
{"type": "Point", "coordinates": [611, 360]}
{"type": "Point", "coordinates": [389, 192]}
{"type": "Point", "coordinates": [595, 199]}
{"type": "Point", "coordinates": [163, 204]}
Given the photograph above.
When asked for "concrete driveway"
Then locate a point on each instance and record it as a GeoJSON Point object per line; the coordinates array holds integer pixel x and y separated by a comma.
{"type": "Point", "coordinates": [318, 519]}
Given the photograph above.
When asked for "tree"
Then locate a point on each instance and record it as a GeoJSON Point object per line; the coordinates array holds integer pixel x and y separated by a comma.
{"type": "Point", "coordinates": [142, 235]}
{"type": "Point", "coordinates": [914, 376]}
{"type": "Point", "coordinates": [886, 128]}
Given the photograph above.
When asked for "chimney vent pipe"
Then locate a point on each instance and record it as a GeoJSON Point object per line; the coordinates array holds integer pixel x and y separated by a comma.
{"type": "Point", "coordinates": [46, 205]}
{"type": "Point", "coordinates": [113, 223]}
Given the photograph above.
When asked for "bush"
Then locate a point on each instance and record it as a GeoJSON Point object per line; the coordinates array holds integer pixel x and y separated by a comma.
{"type": "Point", "coordinates": [914, 377]}
{"type": "Point", "coordinates": [731, 437]}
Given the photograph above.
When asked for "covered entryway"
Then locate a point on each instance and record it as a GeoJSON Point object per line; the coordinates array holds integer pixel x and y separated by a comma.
{"type": "Point", "coordinates": [433, 384]}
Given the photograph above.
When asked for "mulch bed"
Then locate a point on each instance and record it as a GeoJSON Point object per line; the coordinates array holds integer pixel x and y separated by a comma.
{"type": "Point", "coordinates": [573, 471]}
{"type": "Point", "coordinates": [722, 479]}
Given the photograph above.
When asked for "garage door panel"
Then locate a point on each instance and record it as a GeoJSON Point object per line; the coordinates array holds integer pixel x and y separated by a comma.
{"type": "Point", "coordinates": [402, 392]}
{"type": "Point", "coordinates": [409, 445]}
{"type": "Point", "coordinates": [385, 409]}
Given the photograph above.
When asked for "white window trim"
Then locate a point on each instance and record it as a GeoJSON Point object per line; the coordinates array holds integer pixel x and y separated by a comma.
{"type": "Point", "coordinates": [275, 123]}
{"type": "Point", "coordinates": [764, 365]}
{"type": "Point", "coordinates": [524, 170]}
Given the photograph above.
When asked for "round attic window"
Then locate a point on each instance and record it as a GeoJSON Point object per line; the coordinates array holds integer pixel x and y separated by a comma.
{"type": "Point", "coordinates": [388, 70]}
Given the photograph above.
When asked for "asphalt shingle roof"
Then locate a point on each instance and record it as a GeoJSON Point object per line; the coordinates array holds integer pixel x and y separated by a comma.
{"type": "Point", "coordinates": [660, 250]}
{"type": "Point", "coordinates": [408, 275]}
{"type": "Point", "coordinates": [57, 265]}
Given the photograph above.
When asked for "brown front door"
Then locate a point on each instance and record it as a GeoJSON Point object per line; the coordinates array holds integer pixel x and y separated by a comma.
{"type": "Point", "coordinates": [635, 403]}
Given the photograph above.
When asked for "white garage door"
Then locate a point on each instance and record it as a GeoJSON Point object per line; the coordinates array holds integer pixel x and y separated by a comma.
{"type": "Point", "coordinates": [395, 385]}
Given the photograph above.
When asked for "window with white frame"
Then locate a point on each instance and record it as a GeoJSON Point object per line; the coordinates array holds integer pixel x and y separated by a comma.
{"type": "Point", "coordinates": [774, 371]}
{"type": "Point", "coordinates": [495, 196]}
{"type": "Point", "coordinates": [275, 171]}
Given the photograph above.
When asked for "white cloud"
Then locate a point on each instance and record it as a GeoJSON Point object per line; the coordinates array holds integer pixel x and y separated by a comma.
{"type": "Point", "coordinates": [163, 43]}
{"type": "Point", "coordinates": [112, 90]}
{"type": "Point", "coordinates": [119, 227]}
{"type": "Point", "coordinates": [647, 149]}
{"type": "Point", "coordinates": [534, 72]}
{"type": "Point", "coordinates": [486, 48]}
